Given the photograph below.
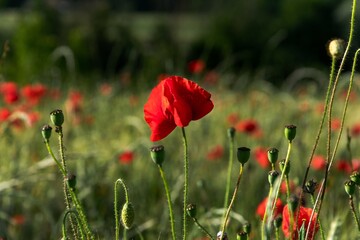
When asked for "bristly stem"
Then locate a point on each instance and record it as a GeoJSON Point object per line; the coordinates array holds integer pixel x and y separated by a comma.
{"type": "Point", "coordinates": [232, 201]}
{"type": "Point", "coordinates": [63, 228]}
{"type": "Point", "coordinates": [116, 209]}
{"type": "Point", "coordinates": [171, 213]}
{"type": "Point", "coordinates": [228, 180]}
{"type": "Point", "coordinates": [268, 205]}
{"type": "Point", "coordinates": [186, 180]}
{"type": "Point", "coordinates": [352, 207]}
{"type": "Point", "coordinates": [202, 228]}
{"type": "Point", "coordinates": [320, 225]}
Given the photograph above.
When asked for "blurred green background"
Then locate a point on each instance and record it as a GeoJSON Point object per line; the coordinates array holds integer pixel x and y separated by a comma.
{"type": "Point", "coordinates": [259, 39]}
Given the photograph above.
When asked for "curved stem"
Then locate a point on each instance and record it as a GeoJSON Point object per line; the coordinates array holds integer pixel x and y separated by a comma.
{"type": "Point", "coordinates": [202, 228]}
{"type": "Point", "coordinates": [116, 209]}
{"type": "Point", "coordinates": [171, 214]}
{"type": "Point", "coordinates": [352, 207]}
{"type": "Point", "coordinates": [186, 179]}
{"type": "Point", "coordinates": [63, 228]}
{"type": "Point", "coordinates": [55, 159]}
{"type": "Point", "coordinates": [232, 201]}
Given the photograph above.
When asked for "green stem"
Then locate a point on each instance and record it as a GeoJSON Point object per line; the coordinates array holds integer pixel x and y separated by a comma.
{"type": "Point", "coordinates": [186, 179]}
{"type": "Point", "coordinates": [228, 180]}
{"type": "Point", "coordinates": [171, 214]}
{"type": "Point", "coordinates": [202, 228]}
{"type": "Point", "coordinates": [276, 233]}
{"type": "Point", "coordinates": [320, 225]}
{"type": "Point", "coordinates": [63, 228]}
{"type": "Point", "coordinates": [232, 201]}
{"type": "Point", "coordinates": [268, 204]}
{"type": "Point", "coordinates": [351, 203]}
{"type": "Point", "coordinates": [55, 159]}
{"type": "Point", "coordinates": [116, 209]}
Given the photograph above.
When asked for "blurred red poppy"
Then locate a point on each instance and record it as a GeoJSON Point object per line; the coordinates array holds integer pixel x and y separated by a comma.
{"type": "Point", "coordinates": [303, 218]}
{"type": "Point", "coordinates": [260, 211]}
{"type": "Point", "coordinates": [261, 157]}
{"type": "Point", "coordinates": [249, 126]}
{"type": "Point", "coordinates": [4, 114]}
{"type": "Point", "coordinates": [34, 93]}
{"type": "Point", "coordinates": [10, 92]}
{"type": "Point", "coordinates": [318, 162]}
{"type": "Point", "coordinates": [355, 130]}
{"type": "Point", "coordinates": [18, 219]}
{"type": "Point", "coordinates": [215, 153]}
{"type": "Point", "coordinates": [343, 166]}
{"type": "Point", "coordinates": [175, 101]}
{"type": "Point", "coordinates": [126, 157]}
{"type": "Point", "coordinates": [196, 66]}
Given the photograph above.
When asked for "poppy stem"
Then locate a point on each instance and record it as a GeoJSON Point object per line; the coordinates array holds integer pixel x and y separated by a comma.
{"type": "Point", "coordinates": [172, 223]}
{"type": "Point", "coordinates": [186, 180]}
{"type": "Point", "coordinates": [352, 207]}
{"type": "Point", "coordinates": [202, 228]}
{"type": "Point", "coordinates": [268, 204]}
{"type": "Point", "coordinates": [228, 180]}
{"type": "Point", "coordinates": [320, 226]}
{"type": "Point", "coordinates": [116, 210]}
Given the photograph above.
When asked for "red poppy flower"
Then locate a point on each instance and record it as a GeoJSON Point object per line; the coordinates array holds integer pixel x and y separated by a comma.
{"type": "Point", "coordinates": [261, 157]}
{"type": "Point", "coordinates": [318, 162]}
{"type": "Point", "coordinates": [175, 101]}
{"type": "Point", "coordinates": [283, 188]}
{"type": "Point", "coordinates": [18, 219]}
{"type": "Point", "coordinates": [34, 93]}
{"type": "Point", "coordinates": [343, 166]}
{"type": "Point", "coordinates": [249, 126]}
{"type": "Point", "coordinates": [126, 157]}
{"type": "Point", "coordinates": [215, 153]}
{"type": "Point", "coordinates": [355, 130]}
{"type": "Point", "coordinates": [196, 66]}
{"type": "Point", "coordinates": [260, 211]}
{"type": "Point", "coordinates": [10, 92]}
{"type": "Point", "coordinates": [4, 114]}
{"type": "Point", "coordinates": [303, 218]}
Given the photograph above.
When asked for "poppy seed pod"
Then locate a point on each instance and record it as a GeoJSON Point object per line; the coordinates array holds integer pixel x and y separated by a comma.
{"type": "Point", "coordinates": [355, 177]}
{"type": "Point", "coordinates": [293, 203]}
{"type": "Point", "coordinates": [46, 132]}
{"type": "Point", "coordinates": [336, 48]}
{"type": "Point", "coordinates": [272, 176]}
{"type": "Point", "coordinates": [231, 132]}
{"type": "Point", "coordinates": [310, 186]}
{"type": "Point", "coordinates": [282, 166]}
{"type": "Point", "coordinates": [191, 210]}
{"type": "Point", "coordinates": [290, 132]}
{"type": "Point", "coordinates": [157, 154]}
{"type": "Point", "coordinates": [57, 117]}
{"type": "Point", "coordinates": [71, 179]}
{"type": "Point", "coordinates": [224, 236]}
{"type": "Point", "coordinates": [247, 228]}
{"type": "Point", "coordinates": [241, 235]}
{"type": "Point", "coordinates": [273, 154]}
{"type": "Point", "coordinates": [278, 221]}
{"type": "Point", "coordinates": [349, 187]}
{"type": "Point", "coordinates": [243, 154]}
{"type": "Point", "coordinates": [127, 215]}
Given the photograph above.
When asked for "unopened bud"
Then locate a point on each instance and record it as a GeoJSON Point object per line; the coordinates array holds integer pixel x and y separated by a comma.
{"type": "Point", "coordinates": [127, 215]}
{"type": "Point", "coordinates": [337, 48]}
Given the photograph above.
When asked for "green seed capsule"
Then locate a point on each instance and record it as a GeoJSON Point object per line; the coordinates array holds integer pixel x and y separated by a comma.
{"type": "Point", "coordinates": [310, 186]}
{"type": "Point", "coordinates": [191, 210]}
{"type": "Point", "coordinates": [57, 117]}
{"type": "Point", "coordinates": [71, 179]}
{"type": "Point", "coordinates": [241, 235]}
{"type": "Point", "coordinates": [355, 177]}
{"type": "Point", "coordinates": [282, 166]}
{"type": "Point", "coordinates": [46, 132]}
{"type": "Point", "coordinates": [243, 154]}
{"type": "Point", "coordinates": [157, 154]}
{"type": "Point", "coordinates": [278, 221]}
{"type": "Point", "coordinates": [273, 154]}
{"type": "Point", "coordinates": [231, 132]}
{"type": "Point", "coordinates": [127, 215]}
{"type": "Point", "coordinates": [272, 176]}
{"type": "Point", "coordinates": [290, 132]}
{"type": "Point", "coordinates": [350, 187]}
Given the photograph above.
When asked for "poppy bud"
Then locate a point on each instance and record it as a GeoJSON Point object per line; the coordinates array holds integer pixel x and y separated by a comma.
{"type": "Point", "coordinates": [231, 132]}
{"type": "Point", "coordinates": [355, 177]}
{"type": "Point", "coordinates": [337, 48]}
{"type": "Point", "coordinates": [224, 236]}
{"type": "Point", "coordinates": [243, 154]}
{"type": "Point", "coordinates": [290, 132]}
{"type": "Point", "coordinates": [293, 203]}
{"type": "Point", "coordinates": [272, 176]}
{"type": "Point", "coordinates": [349, 187]}
{"type": "Point", "coordinates": [127, 215]}
{"type": "Point", "coordinates": [278, 221]}
{"type": "Point", "coordinates": [57, 117]}
{"type": "Point", "coordinates": [157, 154]}
{"type": "Point", "coordinates": [71, 179]}
{"type": "Point", "coordinates": [247, 228]}
{"type": "Point", "coordinates": [241, 235]}
{"type": "Point", "coordinates": [46, 132]}
{"type": "Point", "coordinates": [310, 186]}
{"type": "Point", "coordinates": [191, 210]}
{"type": "Point", "coordinates": [273, 154]}
{"type": "Point", "coordinates": [282, 166]}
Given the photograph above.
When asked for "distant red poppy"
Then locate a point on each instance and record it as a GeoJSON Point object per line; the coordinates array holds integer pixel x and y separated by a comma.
{"type": "Point", "coordinates": [215, 153]}
{"type": "Point", "coordinates": [9, 91]}
{"type": "Point", "coordinates": [18, 219]}
{"type": "Point", "coordinates": [343, 166]}
{"type": "Point", "coordinates": [4, 114]}
{"type": "Point", "coordinates": [335, 124]}
{"type": "Point", "coordinates": [126, 157]}
{"type": "Point", "coordinates": [233, 118]}
{"type": "Point", "coordinates": [174, 102]}
{"type": "Point", "coordinates": [355, 130]}
{"type": "Point", "coordinates": [105, 89]}
{"type": "Point", "coordinates": [248, 126]}
{"type": "Point", "coordinates": [34, 93]}
{"type": "Point", "coordinates": [318, 162]}
{"type": "Point", "coordinates": [211, 78]}
{"type": "Point", "coordinates": [283, 188]}
{"type": "Point", "coordinates": [260, 211]}
{"type": "Point", "coordinates": [261, 157]}
{"type": "Point", "coordinates": [196, 66]}
{"type": "Point", "coordinates": [303, 218]}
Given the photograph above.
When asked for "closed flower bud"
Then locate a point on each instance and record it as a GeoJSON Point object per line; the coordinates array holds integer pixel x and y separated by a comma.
{"type": "Point", "coordinates": [272, 176]}
{"type": "Point", "coordinates": [290, 132]}
{"type": "Point", "coordinates": [224, 236]}
{"type": "Point", "coordinates": [243, 154]}
{"type": "Point", "coordinates": [337, 48]}
{"type": "Point", "coordinates": [158, 154]}
{"type": "Point", "coordinates": [241, 235]}
{"type": "Point", "coordinates": [310, 186]}
{"type": "Point", "coordinates": [191, 210]}
{"type": "Point", "coordinates": [46, 132]}
{"type": "Point", "coordinates": [349, 187]}
{"type": "Point", "coordinates": [71, 179]}
{"type": "Point", "coordinates": [282, 166]}
{"type": "Point", "coordinates": [355, 177]}
{"type": "Point", "coordinates": [247, 228]}
{"type": "Point", "coordinates": [278, 221]}
{"type": "Point", "coordinates": [293, 203]}
{"type": "Point", "coordinates": [273, 154]}
{"type": "Point", "coordinates": [57, 117]}
{"type": "Point", "coordinates": [127, 215]}
{"type": "Point", "coordinates": [231, 132]}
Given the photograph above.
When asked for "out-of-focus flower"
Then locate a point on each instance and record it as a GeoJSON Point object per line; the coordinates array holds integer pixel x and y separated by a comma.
{"type": "Point", "coordinates": [9, 91]}
{"type": "Point", "coordinates": [335, 124]}
{"type": "Point", "coordinates": [232, 119]}
{"type": "Point", "coordinates": [260, 210]}
{"type": "Point", "coordinates": [343, 166]}
{"type": "Point", "coordinates": [74, 107]}
{"type": "Point", "coordinates": [249, 126]}
{"type": "Point", "coordinates": [106, 89]}
{"type": "Point", "coordinates": [211, 78]}
{"type": "Point", "coordinates": [196, 66]}
{"type": "Point", "coordinates": [355, 130]}
{"type": "Point", "coordinates": [292, 187]}
{"type": "Point", "coordinates": [215, 153]}
{"type": "Point", "coordinates": [126, 157]}
{"type": "Point", "coordinates": [34, 93]}
{"type": "Point", "coordinates": [261, 156]}
{"type": "Point", "coordinates": [4, 114]}
{"type": "Point", "coordinates": [318, 162]}
{"type": "Point", "coordinates": [303, 218]}
{"type": "Point", "coordinates": [18, 219]}
{"type": "Point", "coordinates": [174, 102]}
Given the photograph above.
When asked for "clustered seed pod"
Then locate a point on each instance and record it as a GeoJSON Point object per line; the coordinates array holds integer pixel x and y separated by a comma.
{"type": "Point", "coordinates": [355, 177]}
{"type": "Point", "coordinates": [127, 215]}
{"type": "Point", "coordinates": [243, 154]}
{"type": "Point", "coordinates": [157, 154]}
{"type": "Point", "coordinates": [46, 132]}
{"type": "Point", "coordinates": [273, 154]}
{"type": "Point", "coordinates": [349, 187]}
{"type": "Point", "coordinates": [290, 132]}
{"type": "Point", "coordinates": [57, 117]}
{"type": "Point", "coordinates": [337, 48]}
{"type": "Point", "coordinates": [272, 176]}
{"type": "Point", "coordinates": [282, 166]}
{"type": "Point", "coordinates": [191, 210]}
